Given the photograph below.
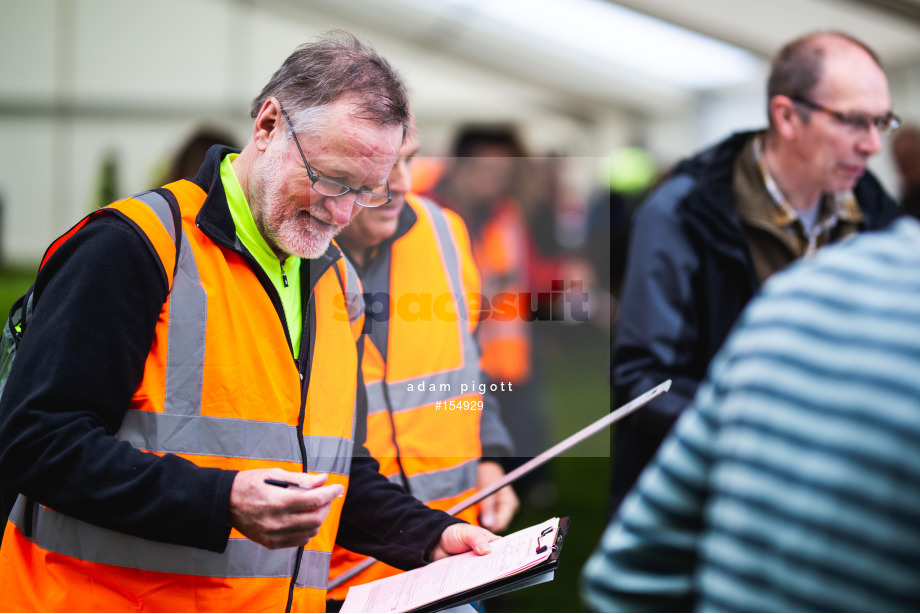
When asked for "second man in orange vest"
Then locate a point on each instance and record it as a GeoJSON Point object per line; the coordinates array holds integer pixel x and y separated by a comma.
{"type": "Point", "coordinates": [429, 426]}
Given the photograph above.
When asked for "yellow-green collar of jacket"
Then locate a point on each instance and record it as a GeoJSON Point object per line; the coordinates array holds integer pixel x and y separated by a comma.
{"type": "Point", "coordinates": [253, 240]}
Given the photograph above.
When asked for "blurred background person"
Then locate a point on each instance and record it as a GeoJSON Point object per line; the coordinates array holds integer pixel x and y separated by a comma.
{"type": "Point", "coordinates": [625, 176]}
{"type": "Point", "coordinates": [733, 215]}
{"type": "Point", "coordinates": [188, 158]}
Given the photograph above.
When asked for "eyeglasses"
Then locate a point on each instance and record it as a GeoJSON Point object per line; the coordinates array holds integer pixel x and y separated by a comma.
{"type": "Point", "coordinates": [858, 122]}
{"type": "Point", "coordinates": [332, 188]}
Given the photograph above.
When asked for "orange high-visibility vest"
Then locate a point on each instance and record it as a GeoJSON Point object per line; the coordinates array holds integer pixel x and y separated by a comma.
{"type": "Point", "coordinates": [501, 250]}
{"type": "Point", "coordinates": [431, 355]}
{"type": "Point", "coordinates": [220, 388]}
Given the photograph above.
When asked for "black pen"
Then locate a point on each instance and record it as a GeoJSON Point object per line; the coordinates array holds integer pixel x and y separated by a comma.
{"type": "Point", "coordinates": [284, 484]}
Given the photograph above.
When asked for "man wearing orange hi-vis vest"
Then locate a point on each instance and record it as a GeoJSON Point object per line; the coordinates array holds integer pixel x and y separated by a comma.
{"type": "Point", "coordinates": [479, 184]}
{"type": "Point", "coordinates": [187, 408]}
{"type": "Point", "coordinates": [429, 424]}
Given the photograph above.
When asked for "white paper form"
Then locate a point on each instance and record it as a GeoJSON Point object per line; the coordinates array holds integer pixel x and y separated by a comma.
{"type": "Point", "coordinates": [455, 574]}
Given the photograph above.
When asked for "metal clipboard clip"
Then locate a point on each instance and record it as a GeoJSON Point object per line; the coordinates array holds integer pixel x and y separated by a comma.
{"type": "Point", "coordinates": [541, 548]}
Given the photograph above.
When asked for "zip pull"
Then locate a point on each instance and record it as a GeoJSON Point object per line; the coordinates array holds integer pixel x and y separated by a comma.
{"type": "Point", "coordinates": [283, 275]}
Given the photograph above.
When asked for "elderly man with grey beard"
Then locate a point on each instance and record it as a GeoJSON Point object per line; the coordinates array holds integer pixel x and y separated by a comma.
{"type": "Point", "coordinates": [186, 411]}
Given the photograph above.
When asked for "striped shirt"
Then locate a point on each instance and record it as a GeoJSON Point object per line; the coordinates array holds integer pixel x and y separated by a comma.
{"type": "Point", "coordinates": [792, 483]}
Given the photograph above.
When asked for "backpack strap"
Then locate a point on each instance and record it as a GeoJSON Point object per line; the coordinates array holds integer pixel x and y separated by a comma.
{"type": "Point", "coordinates": [166, 207]}
{"type": "Point", "coordinates": [162, 201]}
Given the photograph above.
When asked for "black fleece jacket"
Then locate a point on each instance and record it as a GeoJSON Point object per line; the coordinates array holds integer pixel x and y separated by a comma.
{"type": "Point", "coordinates": [97, 300]}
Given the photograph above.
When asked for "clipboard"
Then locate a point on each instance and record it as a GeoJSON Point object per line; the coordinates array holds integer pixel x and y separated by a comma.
{"type": "Point", "coordinates": [525, 558]}
{"type": "Point", "coordinates": [538, 574]}
{"type": "Point", "coordinates": [530, 465]}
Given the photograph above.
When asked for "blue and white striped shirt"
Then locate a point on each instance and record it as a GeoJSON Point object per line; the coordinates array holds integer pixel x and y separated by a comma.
{"type": "Point", "coordinates": [792, 483]}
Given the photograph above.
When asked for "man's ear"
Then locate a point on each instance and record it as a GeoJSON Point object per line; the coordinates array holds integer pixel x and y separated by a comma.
{"type": "Point", "coordinates": [267, 124]}
{"type": "Point", "coordinates": [786, 118]}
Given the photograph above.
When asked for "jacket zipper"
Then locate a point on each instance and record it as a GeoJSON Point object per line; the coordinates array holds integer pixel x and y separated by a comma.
{"type": "Point", "coordinates": [283, 274]}
{"type": "Point", "coordinates": [304, 371]}
{"type": "Point", "coordinates": [275, 298]}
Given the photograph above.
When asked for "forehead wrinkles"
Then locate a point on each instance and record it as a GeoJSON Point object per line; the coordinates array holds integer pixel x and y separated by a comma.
{"type": "Point", "coordinates": [358, 149]}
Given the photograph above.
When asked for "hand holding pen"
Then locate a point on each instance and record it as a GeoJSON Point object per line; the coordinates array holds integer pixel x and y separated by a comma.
{"type": "Point", "coordinates": [280, 509]}
{"type": "Point", "coordinates": [285, 484]}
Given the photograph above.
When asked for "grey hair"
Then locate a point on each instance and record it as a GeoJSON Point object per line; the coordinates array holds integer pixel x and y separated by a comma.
{"type": "Point", "coordinates": [311, 121]}
{"type": "Point", "coordinates": [336, 64]}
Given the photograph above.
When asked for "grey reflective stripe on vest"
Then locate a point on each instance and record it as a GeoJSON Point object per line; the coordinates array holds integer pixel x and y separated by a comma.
{"type": "Point", "coordinates": [329, 454]}
{"type": "Point", "coordinates": [243, 558]}
{"type": "Point", "coordinates": [449, 252]}
{"type": "Point", "coordinates": [314, 570]}
{"type": "Point", "coordinates": [447, 384]}
{"type": "Point", "coordinates": [188, 315]}
{"type": "Point", "coordinates": [375, 400]}
{"type": "Point", "coordinates": [161, 208]}
{"type": "Point", "coordinates": [435, 485]}
{"type": "Point", "coordinates": [188, 310]}
{"type": "Point", "coordinates": [187, 322]}
{"type": "Point", "coordinates": [210, 436]}
{"type": "Point", "coordinates": [470, 370]}
{"type": "Point", "coordinates": [233, 438]}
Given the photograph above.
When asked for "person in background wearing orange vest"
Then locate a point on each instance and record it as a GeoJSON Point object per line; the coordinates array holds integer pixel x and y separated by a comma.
{"type": "Point", "coordinates": [478, 185]}
{"type": "Point", "coordinates": [416, 265]}
{"type": "Point", "coordinates": [181, 429]}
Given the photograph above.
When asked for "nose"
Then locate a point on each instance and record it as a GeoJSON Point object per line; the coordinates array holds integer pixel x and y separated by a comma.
{"type": "Point", "coordinates": [340, 207]}
{"type": "Point", "coordinates": [401, 177]}
{"type": "Point", "coordinates": [870, 143]}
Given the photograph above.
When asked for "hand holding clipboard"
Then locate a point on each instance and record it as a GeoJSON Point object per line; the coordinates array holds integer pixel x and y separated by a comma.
{"type": "Point", "coordinates": [526, 557]}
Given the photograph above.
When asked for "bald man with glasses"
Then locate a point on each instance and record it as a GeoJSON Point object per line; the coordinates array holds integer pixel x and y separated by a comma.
{"type": "Point", "coordinates": [731, 216]}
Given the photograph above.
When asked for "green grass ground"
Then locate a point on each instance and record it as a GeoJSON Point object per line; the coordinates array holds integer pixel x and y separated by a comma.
{"type": "Point", "coordinates": [13, 282]}
{"type": "Point", "coordinates": [575, 364]}
{"type": "Point", "coordinates": [574, 370]}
